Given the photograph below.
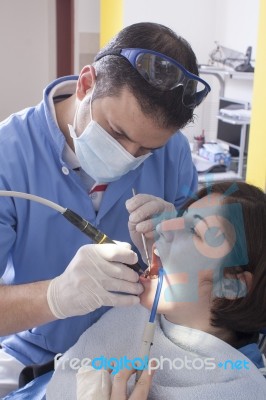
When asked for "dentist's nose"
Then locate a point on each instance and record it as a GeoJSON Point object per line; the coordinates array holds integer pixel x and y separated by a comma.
{"type": "Point", "coordinates": [135, 149]}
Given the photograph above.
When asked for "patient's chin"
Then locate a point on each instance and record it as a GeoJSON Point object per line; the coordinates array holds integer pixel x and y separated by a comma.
{"type": "Point", "coordinates": [148, 295]}
{"type": "Point", "coordinates": [146, 299]}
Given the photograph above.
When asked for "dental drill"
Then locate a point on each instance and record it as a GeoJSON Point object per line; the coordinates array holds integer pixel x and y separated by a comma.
{"type": "Point", "coordinates": [82, 224]}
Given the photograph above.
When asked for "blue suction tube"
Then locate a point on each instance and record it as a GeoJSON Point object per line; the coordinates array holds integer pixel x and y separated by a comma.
{"type": "Point", "coordinates": [157, 295]}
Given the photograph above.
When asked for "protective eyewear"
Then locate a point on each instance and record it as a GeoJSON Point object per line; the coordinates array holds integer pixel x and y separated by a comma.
{"type": "Point", "coordinates": [164, 73]}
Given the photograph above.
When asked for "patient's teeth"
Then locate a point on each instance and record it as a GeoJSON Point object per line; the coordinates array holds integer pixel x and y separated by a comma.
{"type": "Point", "coordinates": [156, 252]}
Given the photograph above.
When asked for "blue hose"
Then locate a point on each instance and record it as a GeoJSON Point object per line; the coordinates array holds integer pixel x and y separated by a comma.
{"type": "Point", "coordinates": [157, 295]}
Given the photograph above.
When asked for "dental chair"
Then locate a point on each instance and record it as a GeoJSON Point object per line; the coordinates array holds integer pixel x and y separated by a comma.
{"type": "Point", "coordinates": [262, 341]}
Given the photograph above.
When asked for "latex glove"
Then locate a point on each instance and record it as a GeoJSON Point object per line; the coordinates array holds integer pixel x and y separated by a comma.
{"type": "Point", "coordinates": [141, 389]}
{"type": "Point", "coordinates": [85, 285]}
{"type": "Point", "coordinates": [146, 211]}
{"type": "Point", "coordinates": [95, 384]}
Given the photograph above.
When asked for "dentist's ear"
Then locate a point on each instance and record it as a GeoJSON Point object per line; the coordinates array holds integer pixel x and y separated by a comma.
{"type": "Point", "coordinates": [86, 81]}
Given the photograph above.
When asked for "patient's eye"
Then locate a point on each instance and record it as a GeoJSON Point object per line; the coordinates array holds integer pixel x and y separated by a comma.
{"type": "Point", "coordinates": [194, 231]}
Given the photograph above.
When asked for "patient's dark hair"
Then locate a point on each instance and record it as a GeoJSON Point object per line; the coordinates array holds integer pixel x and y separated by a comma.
{"type": "Point", "coordinates": [245, 316]}
{"type": "Point", "coordinates": [114, 72]}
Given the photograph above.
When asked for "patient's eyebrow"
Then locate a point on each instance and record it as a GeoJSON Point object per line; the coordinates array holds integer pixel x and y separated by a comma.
{"type": "Point", "coordinates": [197, 216]}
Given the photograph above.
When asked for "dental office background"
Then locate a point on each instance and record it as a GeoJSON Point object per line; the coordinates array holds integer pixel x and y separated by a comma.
{"type": "Point", "coordinates": [28, 51]}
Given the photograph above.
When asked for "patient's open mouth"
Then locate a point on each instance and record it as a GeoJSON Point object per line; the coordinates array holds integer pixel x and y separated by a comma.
{"type": "Point", "coordinates": [152, 273]}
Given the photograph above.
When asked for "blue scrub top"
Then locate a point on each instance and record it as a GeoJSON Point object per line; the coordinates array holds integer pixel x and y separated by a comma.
{"type": "Point", "coordinates": [37, 243]}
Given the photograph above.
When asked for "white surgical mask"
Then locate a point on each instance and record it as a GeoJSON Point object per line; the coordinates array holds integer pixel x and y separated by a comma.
{"type": "Point", "coordinates": [100, 155]}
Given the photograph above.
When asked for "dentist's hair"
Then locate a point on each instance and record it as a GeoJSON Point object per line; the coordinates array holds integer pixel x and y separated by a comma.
{"type": "Point", "coordinates": [114, 73]}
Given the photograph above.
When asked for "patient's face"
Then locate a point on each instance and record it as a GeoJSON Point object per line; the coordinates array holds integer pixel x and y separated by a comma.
{"type": "Point", "coordinates": [193, 249]}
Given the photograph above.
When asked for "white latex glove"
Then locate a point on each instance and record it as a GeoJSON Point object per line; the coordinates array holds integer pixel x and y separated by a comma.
{"type": "Point", "coordinates": [96, 384]}
{"type": "Point", "coordinates": [85, 285]}
{"type": "Point", "coordinates": [93, 384]}
{"type": "Point", "coordinates": [146, 211]}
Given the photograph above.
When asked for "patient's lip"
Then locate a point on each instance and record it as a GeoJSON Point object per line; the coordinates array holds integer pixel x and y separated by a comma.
{"type": "Point", "coordinates": [155, 265]}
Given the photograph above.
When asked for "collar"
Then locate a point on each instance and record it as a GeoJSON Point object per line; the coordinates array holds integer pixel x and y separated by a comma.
{"type": "Point", "coordinates": [190, 339]}
{"type": "Point", "coordinates": [187, 338]}
{"type": "Point", "coordinates": [59, 92]}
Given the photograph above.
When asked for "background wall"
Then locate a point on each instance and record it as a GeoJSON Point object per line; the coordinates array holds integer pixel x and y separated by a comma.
{"type": "Point", "coordinates": [256, 167]}
{"type": "Point", "coordinates": [233, 23]}
{"type": "Point", "coordinates": [27, 46]}
{"type": "Point", "coordinates": [27, 43]}
{"type": "Point", "coordinates": [87, 36]}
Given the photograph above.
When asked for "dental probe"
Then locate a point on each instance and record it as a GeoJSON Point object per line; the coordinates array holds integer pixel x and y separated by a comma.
{"type": "Point", "coordinates": [149, 330]}
{"type": "Point", "coordinates": [82, 224]}
{"type": "Point", "coordinates": [144, 242]}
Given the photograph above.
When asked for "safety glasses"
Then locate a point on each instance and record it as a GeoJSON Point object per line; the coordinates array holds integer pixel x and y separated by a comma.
{"type": "Point", "coordinates": [164, 73]}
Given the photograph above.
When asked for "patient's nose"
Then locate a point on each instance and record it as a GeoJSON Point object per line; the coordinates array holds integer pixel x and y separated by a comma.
{"type": "Point", "coordinates": [168, 228]}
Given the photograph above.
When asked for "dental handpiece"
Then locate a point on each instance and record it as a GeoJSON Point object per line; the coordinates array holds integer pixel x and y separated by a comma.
{"type": "Point", "coordinates": [97, 236]}
{"type": "Point", "coordinates": [82, 224]}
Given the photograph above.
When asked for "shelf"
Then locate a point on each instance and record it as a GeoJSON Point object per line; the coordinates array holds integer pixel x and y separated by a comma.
{"type": "Point", "coordinates": [223, 74]}
{"type": "Point", "coordinates": [233, 121]}
{"type": "Point", "coordinates": [227, 73]}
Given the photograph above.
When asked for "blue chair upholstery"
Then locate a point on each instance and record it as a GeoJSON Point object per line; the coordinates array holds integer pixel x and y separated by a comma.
{"type": "Point", "coordinates": [34, 390]}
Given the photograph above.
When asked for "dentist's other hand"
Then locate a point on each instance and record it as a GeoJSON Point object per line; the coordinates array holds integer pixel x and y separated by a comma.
{"type": "Point", "coordinates": [146, 211]}
{"type": "Point", "coordinates": [95, 384]}
{"type": "Point", "coordinates": [95, 271]}
{"type": "Point", "coordinates": [141, 389]}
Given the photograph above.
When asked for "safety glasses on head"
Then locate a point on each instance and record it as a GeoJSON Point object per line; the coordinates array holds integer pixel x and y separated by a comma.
{"type": "Point", "coordinates": [164, 73]}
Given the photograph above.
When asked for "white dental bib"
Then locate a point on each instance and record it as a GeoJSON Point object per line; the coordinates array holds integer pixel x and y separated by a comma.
{"type": "Point", "coordinates": [118, 333]}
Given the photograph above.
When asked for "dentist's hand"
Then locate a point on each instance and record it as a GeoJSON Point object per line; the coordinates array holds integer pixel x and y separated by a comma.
{"type": "Point", "coordinates": [146, 211]}
{"type": "Point", "coordinates": [95, 271]}
{"type": "Point", "coordinates": [95, 384]}
{"type": "Point", "coordinates": [141, 390]}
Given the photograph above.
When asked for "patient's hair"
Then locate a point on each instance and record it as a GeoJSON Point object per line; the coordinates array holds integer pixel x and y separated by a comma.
{"type": "Point", "coordinates": [115, 72]}
{"type": "Point", "coordinates": [247, 315]}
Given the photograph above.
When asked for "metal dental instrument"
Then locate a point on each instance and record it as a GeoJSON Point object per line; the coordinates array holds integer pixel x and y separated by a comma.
{"type": "Point", "coordinates": [144, 242]}
{"type": "Point", "coordinates": [82, 224]}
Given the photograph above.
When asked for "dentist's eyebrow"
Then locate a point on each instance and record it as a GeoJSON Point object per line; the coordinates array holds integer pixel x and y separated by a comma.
{"type": "Point", "coordinates": [121, 132]}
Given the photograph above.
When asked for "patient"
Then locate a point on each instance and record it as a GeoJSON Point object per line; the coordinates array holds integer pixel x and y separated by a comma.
{"type": "Point", "coordinates": [211, 309]}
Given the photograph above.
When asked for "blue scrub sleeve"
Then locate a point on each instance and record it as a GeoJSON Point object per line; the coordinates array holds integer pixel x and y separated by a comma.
{"type": "Point", "coordinates": [7, 230]}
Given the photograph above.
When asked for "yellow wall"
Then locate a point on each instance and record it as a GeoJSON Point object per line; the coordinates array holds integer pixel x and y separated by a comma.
{"type": "Point", "coordinates": [256, 167]}
{"type": "Point", "coordinates": [111, 19]}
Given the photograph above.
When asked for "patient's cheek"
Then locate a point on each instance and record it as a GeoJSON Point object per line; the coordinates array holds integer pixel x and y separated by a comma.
{"type": "Point", "coordinates": [170, 283]}
{"type": "Point", "coordinates": [147, 298]}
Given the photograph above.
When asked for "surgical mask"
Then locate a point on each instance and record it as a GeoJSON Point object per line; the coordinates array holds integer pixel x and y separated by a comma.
{"type": "Point", "coordinates": [100, 155]}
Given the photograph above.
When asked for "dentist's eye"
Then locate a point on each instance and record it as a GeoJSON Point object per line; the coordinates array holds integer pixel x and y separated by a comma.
{"type": "Point", "coordinates": [115, 133]}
